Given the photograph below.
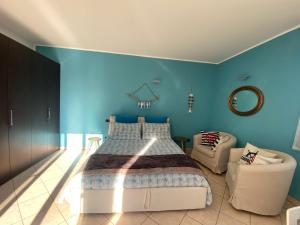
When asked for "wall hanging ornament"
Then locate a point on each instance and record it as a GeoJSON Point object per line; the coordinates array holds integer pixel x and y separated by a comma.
{"type": "Point", "coordinates": [143, 104]}
{"type": "Point", "coordinates": [190, 101]}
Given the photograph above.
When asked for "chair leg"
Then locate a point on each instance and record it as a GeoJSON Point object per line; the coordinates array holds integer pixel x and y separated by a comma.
{"type": "Point", "coordinates": [90, 145]}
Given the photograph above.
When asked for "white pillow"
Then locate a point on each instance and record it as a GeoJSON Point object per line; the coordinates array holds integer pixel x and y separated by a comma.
{"type": "Point", "coordinates": [251, 152]}
{"type": "Point", "coordinates": [125, 131]}
{"type": "Point", "coordinates": [112, 121]}
{"type": "Point", "coordinates": [156, 130]}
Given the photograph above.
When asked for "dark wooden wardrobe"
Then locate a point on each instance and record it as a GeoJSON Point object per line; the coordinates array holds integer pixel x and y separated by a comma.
{"type": "Point", "coordinates": [29, 107]}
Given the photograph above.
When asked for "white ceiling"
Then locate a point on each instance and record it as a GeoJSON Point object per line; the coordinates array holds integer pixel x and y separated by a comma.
{"type": "Point", "coordinates": [196, 30]}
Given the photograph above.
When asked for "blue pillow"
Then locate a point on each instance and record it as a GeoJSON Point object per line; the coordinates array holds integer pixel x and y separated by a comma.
{"type": "Point", "coordinates": [156, 119]}
{"type": "Point", "coordinates": [126, 119]}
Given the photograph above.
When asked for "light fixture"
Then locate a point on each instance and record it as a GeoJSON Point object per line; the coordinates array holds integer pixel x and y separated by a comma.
{"type": "Point", "coordinates": [190, 101]}
{"type": "Point", "coordinates": [156, 81]}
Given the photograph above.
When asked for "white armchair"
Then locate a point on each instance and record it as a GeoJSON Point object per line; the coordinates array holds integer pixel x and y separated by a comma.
{"type": "Point", "coordinates": [261, 189]}
{"type": "Point", "coordinates": [214, 160]}
{"type": "Point", "coordinates": [293, 216]}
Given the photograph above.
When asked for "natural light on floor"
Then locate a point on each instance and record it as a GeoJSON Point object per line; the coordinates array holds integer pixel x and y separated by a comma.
{"type": "Point", "coordinates": [37, 196]}
{"type": "Point", "coordinates": [31, 197]}
{"type": "Point", "coordinates": [119, 182]}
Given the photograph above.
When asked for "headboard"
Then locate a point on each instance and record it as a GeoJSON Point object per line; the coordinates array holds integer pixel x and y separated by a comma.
{"type": "Point", "coordinates": [141, 119]}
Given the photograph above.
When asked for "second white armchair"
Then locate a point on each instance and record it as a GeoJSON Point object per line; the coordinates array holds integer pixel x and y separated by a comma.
{"type": "Point", "coordinates": [261, 189]}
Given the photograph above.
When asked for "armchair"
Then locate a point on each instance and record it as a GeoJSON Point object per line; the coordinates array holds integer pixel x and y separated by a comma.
{"type": "Point", "coordinates": [261, 189]}
{"type": "Point", "coordinates": [215, 160]}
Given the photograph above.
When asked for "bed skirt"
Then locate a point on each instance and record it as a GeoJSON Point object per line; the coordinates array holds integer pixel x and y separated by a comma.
{"type": "Point", "coordinates": [142, 199]}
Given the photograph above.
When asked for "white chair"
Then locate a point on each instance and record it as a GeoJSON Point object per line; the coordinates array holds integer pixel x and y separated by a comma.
{"type": "Point", "coordinates": [293, 216]}
{"type": "Point", "coordinates": [261, 189]}
{"type": "Point", "coordinates": [214, 160]}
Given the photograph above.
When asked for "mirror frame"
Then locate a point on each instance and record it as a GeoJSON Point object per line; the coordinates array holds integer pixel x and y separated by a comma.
{"type": "Point", "coordinates": [260, 100]}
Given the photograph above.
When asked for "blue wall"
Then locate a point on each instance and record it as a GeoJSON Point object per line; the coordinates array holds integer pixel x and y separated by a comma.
{"type": "Point", "coordinates": [274, 67]}
{"type": "Point", "coordinates": [94, 85]}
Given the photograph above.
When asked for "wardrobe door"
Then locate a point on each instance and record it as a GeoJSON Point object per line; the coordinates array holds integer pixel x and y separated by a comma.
{"type": "Point", "coordinates": [19, 106]}
{"type": "Point", "coordinates": [39, 106]}
{"type": "Point", "coordinates": [53, 106]}
{"type": "Point", "coordinates": [4, 149]}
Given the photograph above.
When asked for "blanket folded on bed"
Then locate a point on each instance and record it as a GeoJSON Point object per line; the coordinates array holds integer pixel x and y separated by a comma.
{"type": "Point", "coordinates": [140, 164]}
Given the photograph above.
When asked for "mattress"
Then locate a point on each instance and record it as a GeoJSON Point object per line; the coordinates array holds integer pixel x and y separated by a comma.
{"type": "Point", "coordinates": [127, 181]}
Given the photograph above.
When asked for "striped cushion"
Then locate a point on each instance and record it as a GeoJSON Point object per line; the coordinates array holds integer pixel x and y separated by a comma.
{"type": "Point", "coordinates": [210, 138]}
{"type": "Point", "coordinates": [156, 130]}
{"type": "Point", "coordinates": [125, 131]}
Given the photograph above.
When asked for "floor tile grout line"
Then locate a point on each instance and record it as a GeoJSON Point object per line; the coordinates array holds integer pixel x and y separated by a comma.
{"type": "Point", "coordinates": [34, 177]}
{"type": "Point", "coordinates": [153, 220]}
{"type": "Point", "coordinates": [47, 192]}
{"type": "Point", "coordinates": [183, 217]}
{"type": "Point", "coordinates": [219, 211]}
{"type": "Point", "coordinates": [15, 196]}
{"type": "Point", "coordinates": [65, 220]}
{"type": "Point", "coordinates": [230, 215]}
{"type": "Point", "coordinates": [144, 220]}
{"type": "Point", "coordinates": [50, 200]}
{"type": "Point", "coordinates": [20, 213]}
{"type": "Point", "coordinates": [23, 218]}
{"type": "Point", "coordinates": [238, 219]}
{"type": "Point", "coordinates": [195, 220]}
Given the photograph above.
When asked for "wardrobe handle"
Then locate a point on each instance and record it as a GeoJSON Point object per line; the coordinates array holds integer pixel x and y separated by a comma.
{"type": "Point", "coordinates": [49, 114]}
{"type": "Point", "coordinates": [11, 118]}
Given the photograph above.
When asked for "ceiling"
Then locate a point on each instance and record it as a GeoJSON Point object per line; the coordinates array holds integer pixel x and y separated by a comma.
{"type": "Point", "coordinates": [195, 30]}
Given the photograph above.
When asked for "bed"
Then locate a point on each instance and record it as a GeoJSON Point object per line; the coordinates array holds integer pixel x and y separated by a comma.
{"type": "Point", "coordinates": [153, 174]}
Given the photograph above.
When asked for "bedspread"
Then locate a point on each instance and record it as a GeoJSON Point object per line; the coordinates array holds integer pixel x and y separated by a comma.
{"type": "Point", "coordinates": [165, 172]}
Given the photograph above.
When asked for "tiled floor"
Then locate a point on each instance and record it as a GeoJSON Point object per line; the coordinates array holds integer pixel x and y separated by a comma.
{"type": "Point", "coordinates": [33, 197]}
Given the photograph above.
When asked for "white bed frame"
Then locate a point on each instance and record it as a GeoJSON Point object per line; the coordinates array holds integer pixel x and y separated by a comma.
{"type": "Point", "coordinates": [143, 199]}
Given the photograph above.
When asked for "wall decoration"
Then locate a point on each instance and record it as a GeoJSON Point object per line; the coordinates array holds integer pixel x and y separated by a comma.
{"type": "Point", "coordinates": [143, 104]}
{"type": "Point", "coordinates": [190, 101]}
{"type": "Point", "coordinates": [246, 100]}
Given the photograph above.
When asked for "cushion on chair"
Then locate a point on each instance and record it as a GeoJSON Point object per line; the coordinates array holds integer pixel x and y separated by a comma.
{"type": "Point", "coordinates": [205, 150]}
{"type": "Point", "coordinates": [209, 138]}
{"type": "Point", "coordinates": [250, 155]}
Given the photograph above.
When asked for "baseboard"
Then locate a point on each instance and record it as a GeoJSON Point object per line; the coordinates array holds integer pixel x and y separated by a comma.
{"type": "Point", "coordinates": [293, 201]}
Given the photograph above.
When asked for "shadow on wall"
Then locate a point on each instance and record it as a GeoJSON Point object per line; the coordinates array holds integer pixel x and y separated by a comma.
{"type": "Point", "coordinates": [77, 141]}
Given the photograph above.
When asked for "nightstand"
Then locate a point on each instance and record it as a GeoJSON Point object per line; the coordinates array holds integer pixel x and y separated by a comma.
{"type": "Point", "coordinates": [181, 141]}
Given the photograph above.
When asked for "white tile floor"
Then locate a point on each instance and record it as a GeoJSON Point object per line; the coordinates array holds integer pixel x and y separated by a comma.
{"type": "Point", "coordinates": [33, 198]}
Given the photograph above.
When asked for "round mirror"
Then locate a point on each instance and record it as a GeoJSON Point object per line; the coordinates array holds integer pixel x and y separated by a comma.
{"type": "Point", "coordinates": [246, 100]}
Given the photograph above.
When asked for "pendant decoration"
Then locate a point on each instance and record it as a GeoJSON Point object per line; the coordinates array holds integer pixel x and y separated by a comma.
{"type": "Point", "coordinates": [190, 102]}
{"type": "Point", "coordinates": [143, 104]}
